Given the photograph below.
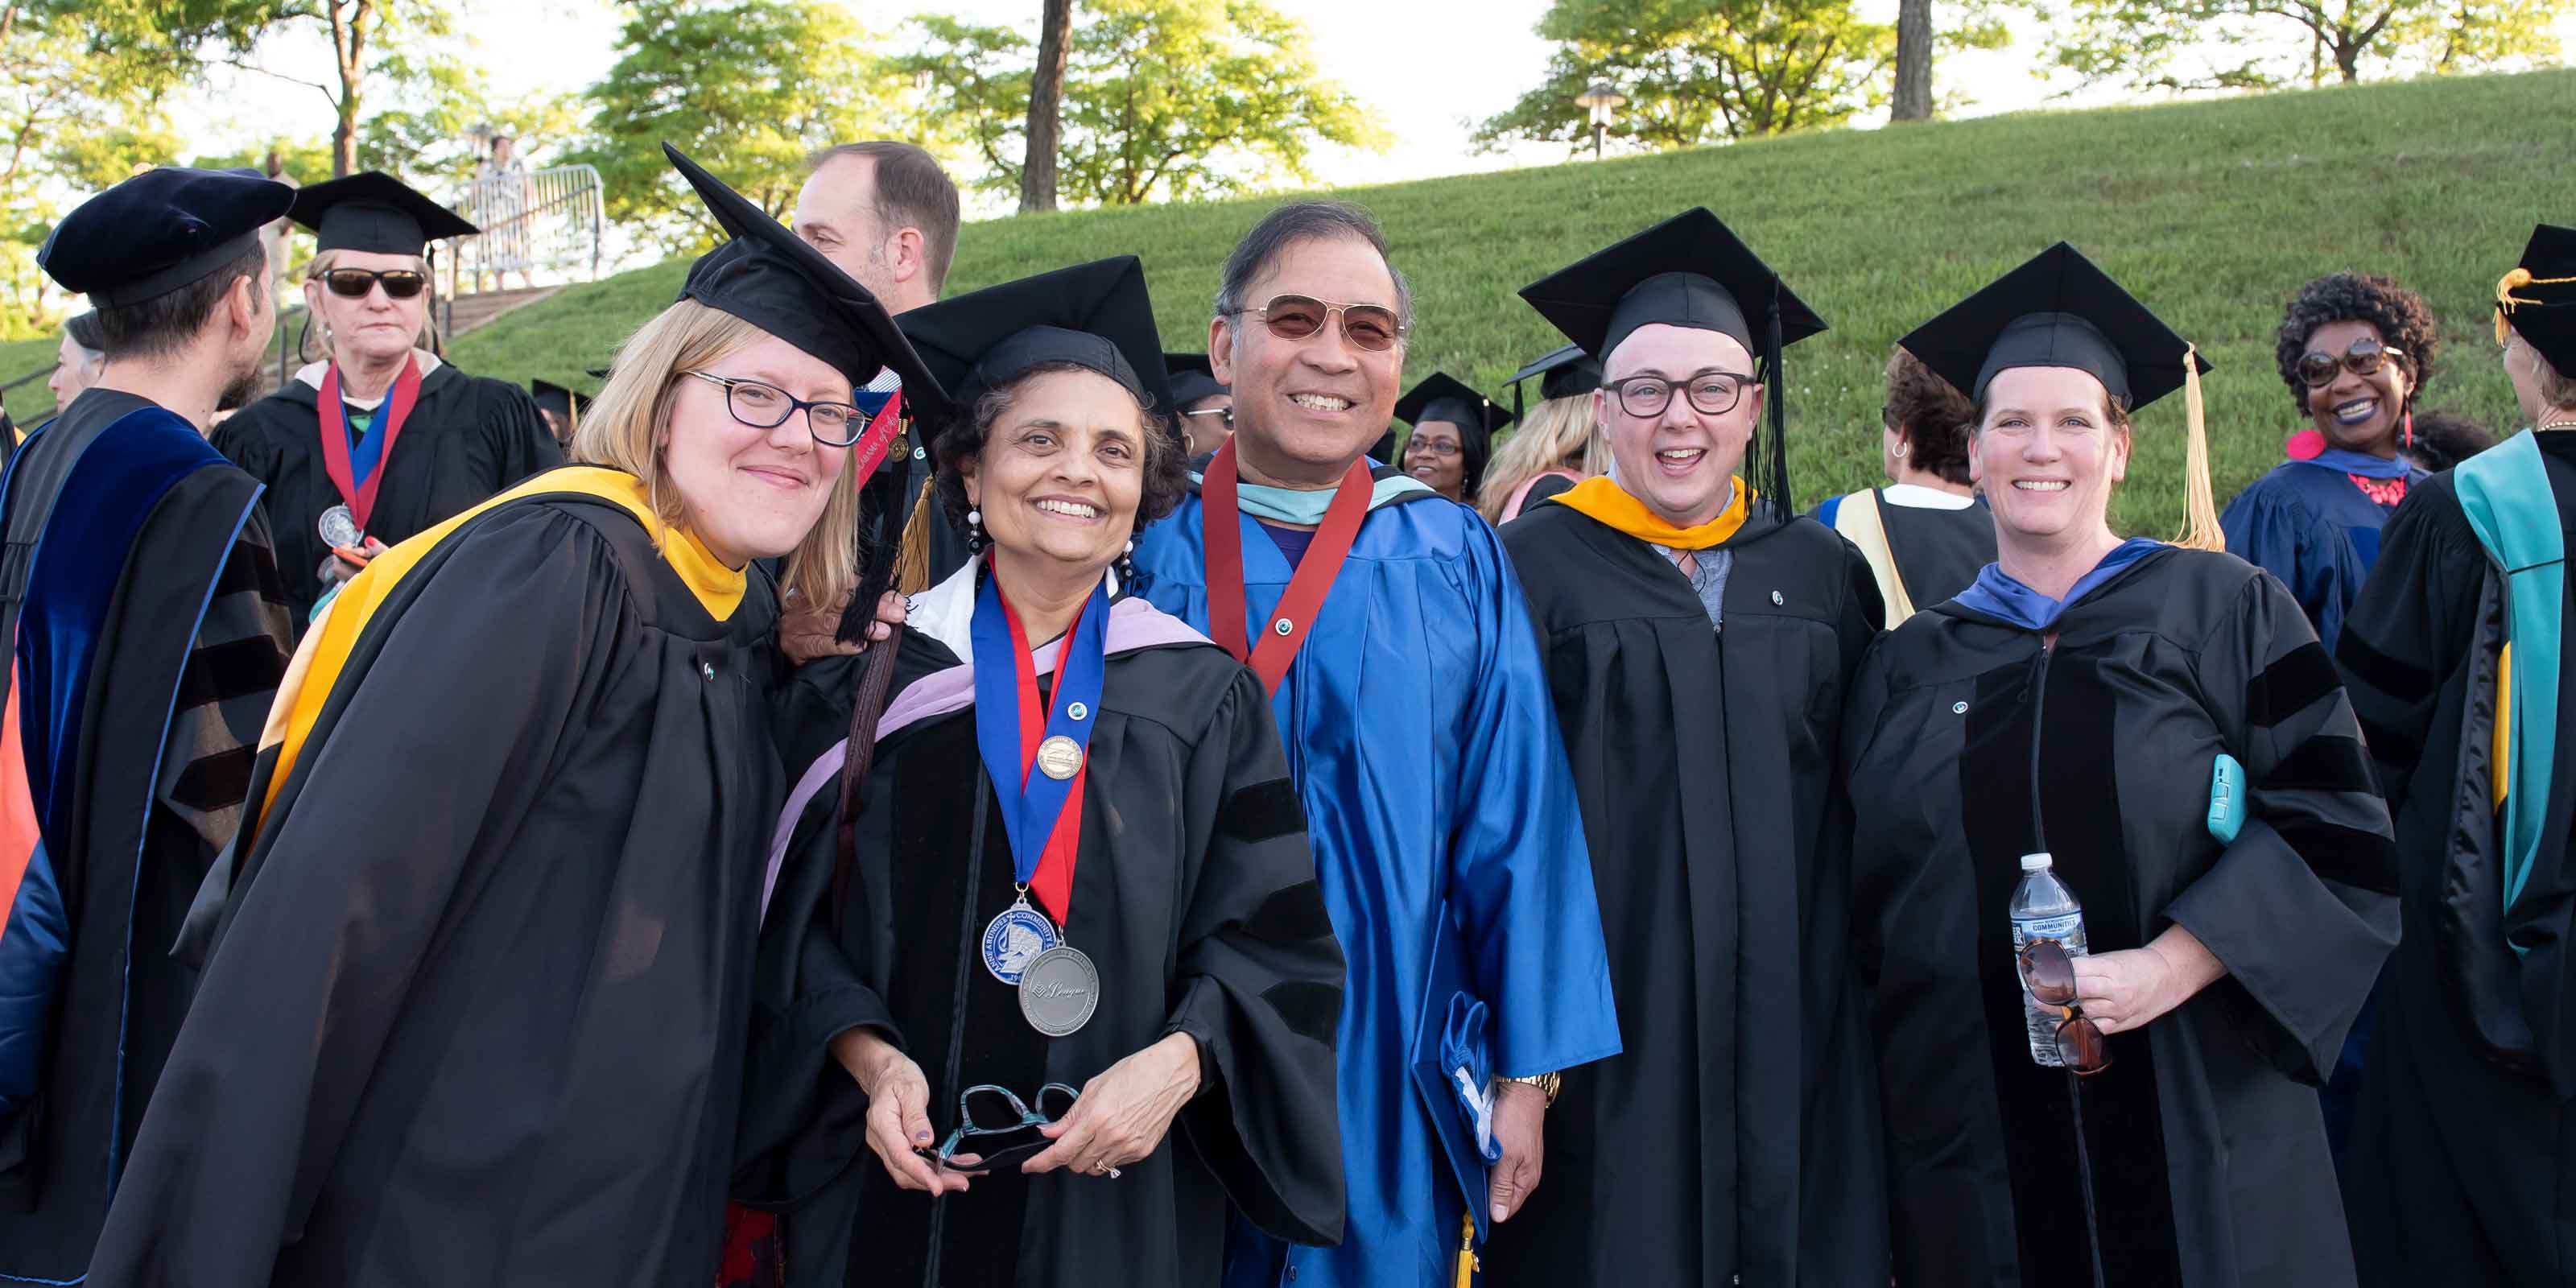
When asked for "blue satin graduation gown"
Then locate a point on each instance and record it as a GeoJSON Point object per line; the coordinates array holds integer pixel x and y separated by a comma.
{"type": "Point", "coordinates": [1450, 847]}
{"type": "Point", "coordinates": [2305, 523]}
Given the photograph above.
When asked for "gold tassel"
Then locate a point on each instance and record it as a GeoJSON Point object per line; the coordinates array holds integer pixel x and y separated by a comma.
{"type": "Point", "coordinates": [912, 557]}
{"type": "Point", "coordinates": [2200, 500]}
{"type": "Point", "coordinates": [1467, 1264]}
{"type": "Point", "coordinates": [2514, 280]}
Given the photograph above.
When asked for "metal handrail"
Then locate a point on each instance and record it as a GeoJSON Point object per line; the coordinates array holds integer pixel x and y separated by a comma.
{"type": "Point", "coordinates": [555, 218]}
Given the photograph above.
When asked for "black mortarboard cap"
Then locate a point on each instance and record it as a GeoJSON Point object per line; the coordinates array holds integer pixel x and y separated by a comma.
{"type": "Point", "coordinates": [1439, 397]}
{"type": "Point", "coordinates": [2056, 310]}
{"type": "Point", "coordinates": [559, 399]}
{"type": "Point", "coordinates": [768, 277]}
{"type": "Point", "coordinates": [1568, 372]}
{"type": "Point", "coordinates": [1096, 316]}
{"type": "Point", "coordinates": [1193, 378]}
{"type": "Point", "coordinates": [1690, 271]}
{"type": "Point", "coordinates": [374, 212]}
{"type": "Point", "coordinates": [2538, 298]}
{"type": "Point", "coordinates": [158, 231]}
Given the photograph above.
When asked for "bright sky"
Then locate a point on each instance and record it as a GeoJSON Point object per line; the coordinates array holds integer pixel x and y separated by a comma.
{"type": "Point", "coordinates": [1486, 54]}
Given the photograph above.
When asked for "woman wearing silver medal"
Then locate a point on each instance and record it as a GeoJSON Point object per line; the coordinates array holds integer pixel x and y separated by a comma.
{"type": "Point", "coordinates": [1049, 983]}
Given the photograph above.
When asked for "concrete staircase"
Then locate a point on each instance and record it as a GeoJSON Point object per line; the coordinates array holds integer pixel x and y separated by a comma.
{"type": "Point", "coordinates": [475, 309]}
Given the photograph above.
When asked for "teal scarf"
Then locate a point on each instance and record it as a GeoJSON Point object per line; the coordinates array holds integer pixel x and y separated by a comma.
{"type": "Point", "coordinates": [2505, 494]}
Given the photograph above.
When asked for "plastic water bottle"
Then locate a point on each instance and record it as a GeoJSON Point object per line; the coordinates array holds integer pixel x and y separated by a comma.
{"type": "Point", "coordinates": [2043, 908]}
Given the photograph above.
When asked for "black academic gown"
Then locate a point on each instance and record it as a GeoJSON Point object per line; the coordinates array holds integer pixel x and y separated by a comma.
{"type": "Point", "coordinates": [1738, 1134]}
{"type": "Point", "coordinates": [2208, 1151]}
{"type": "Point", "coordinates": [139, 589]}
{"type": "Point", "coordinates": [2465, 1145]}
{"type": "Point", "coordinates": [466, 439]}
{"type": "Point", "coordinates": [1195, 896]}
{"type": "Point", "coordinates": [475, 1013]}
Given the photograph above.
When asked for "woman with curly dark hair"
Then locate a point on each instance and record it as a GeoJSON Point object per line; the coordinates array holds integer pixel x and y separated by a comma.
{"type": "Point", "coordinates": [2355, 350]}
{"type": "Point", "coordinates": [1064, 907]}
{"type": "Point", "coordinates": [1929, 510]}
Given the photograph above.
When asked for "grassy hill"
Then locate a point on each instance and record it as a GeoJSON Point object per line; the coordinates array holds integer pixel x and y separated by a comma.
{"type": "Point", "coordinates": [2213, 213]}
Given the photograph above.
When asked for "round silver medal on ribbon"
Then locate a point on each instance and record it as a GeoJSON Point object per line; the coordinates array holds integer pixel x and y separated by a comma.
{"type": "Point", "coordinates": [339, 527]}
{"type": "Point", "coordinates": [1059, 991]}
{"type": "Point", "coordinates": [1059, 757]}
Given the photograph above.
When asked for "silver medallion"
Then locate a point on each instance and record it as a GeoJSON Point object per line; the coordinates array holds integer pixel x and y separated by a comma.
{"type": "Point", "coordinates": [1059, 991]}
{"type": "Point", "coordinates": [1019, 936]}
{"type": "Point", "coordinates": [1059, 757]}
{"type": "Point", "coordinates": [340, 528]}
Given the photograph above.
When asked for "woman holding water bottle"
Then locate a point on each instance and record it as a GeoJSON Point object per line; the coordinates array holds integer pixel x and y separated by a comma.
{"type": "Point", "coordinates": [2122, 879]}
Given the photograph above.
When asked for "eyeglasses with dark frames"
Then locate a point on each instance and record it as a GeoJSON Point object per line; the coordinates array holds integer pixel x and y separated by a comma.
{"type": "Point", "coordinates": [1002, 1114]}
{"type": "Point", "coordinates": [2049, 974]}
{"type": "Point", "coordinates": [762, 405]}
{"type": "Point", "coordinates": [2364, 358]}
{"type": "Point", "coordinates": [1372, 327]}
{"type": "Point", "coordinates": [1711, 393]}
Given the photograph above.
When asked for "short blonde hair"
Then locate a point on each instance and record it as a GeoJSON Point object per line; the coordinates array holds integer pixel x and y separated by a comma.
{"type": "Point", "coordinates": [322, 263]}
{"type": "Point", "coordinates": [2557, 391]}
{"type": "Point", "coordinates": [629, 425]}
{"type": "Point", "coordinates": [1557, 431]}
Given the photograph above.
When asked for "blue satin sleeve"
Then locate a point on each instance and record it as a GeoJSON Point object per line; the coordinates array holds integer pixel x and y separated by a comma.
{"type": "Point", "coordinates": [2268, 526]}
{"type": "Point", "coordinates": [1519, 871]}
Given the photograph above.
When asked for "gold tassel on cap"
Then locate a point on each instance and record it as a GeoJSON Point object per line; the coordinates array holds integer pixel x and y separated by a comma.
{"type": "Point", "coordinates": [912, 557]}
{"type": "Point", "coordinates": [2514, 280]}
{"type": "Point", "coordinates": [2200, 500]}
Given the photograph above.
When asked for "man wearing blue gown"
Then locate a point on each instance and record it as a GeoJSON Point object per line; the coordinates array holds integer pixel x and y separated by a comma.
{"type": "Point", "coordinates": [1420, 730]}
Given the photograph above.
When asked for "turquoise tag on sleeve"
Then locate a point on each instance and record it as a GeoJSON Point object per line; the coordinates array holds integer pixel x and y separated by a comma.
{"type": "Point", "coordinates": [2226, 798]}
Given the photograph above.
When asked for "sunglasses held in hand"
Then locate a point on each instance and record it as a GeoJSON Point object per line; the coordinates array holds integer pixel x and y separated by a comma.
{"type": "Point", "coordinates": [1001, 1114]}
{"type": "Point", "coordinates": [2049, 974]}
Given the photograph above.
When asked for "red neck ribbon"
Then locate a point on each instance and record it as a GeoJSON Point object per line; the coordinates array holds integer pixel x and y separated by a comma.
{"type": "Point", "coordinates": [361, 498]}
{"type": "Point", "coordinates": [1053, 881]}
{"type": "Point", "coordinates": [1315, 573]}
{"type": "Point", "coordinates": [871, 447]}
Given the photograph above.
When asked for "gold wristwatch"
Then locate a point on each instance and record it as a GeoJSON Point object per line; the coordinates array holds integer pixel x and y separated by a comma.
{"type": "Point", "coordinates": [1547, 1083]}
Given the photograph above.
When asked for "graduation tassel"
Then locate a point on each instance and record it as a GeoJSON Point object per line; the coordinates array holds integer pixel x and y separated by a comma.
{"type": "Point", "coordinates": [2200, 500]}
{"type": "Point", "coordinates": [912, 560]}
{"type": "Point", "coordinates": [875, 682]}
{"type": "Point", "coordinates": [1467, 1264]}
{"type": "Point", "coordinates": [2514, 280]}
{"type": "Point", "coordinates": [1778, 450]}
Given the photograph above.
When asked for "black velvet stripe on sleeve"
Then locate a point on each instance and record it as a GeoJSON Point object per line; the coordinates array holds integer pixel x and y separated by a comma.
{"type": "Point", "coordinates": [218, 781]}
{"type": "Point", "coordinates": [1261, 812]}
{"type": "Point", "coordinates": [2364, 860]}
{"type": "Point", "coordinates": [1312, 1009]}
{"type": "Point", "coordinates": [2290, 685]}
{"type": "Point", "coordinates": [2324, 763]}
{"type": "Point", "coordinates": [2399, 681]}
{"type": "Point", "coordinates": [233, 669]}
{"type": "Point", "coordinates": [2389, 745]}
{"type": "Point", "coordinates": [1291, 916]}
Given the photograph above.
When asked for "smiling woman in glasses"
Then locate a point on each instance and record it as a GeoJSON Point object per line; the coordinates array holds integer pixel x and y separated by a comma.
{"type": "Point", "coordinates": [382, 438]}
{"type": "Point", "coordinates": [2355, 351]}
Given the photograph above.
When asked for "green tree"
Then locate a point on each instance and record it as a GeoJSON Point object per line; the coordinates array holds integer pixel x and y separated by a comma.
{"type": "Point", "coordinates": [1163, 100]}
{"type": "Point", "coordinates": [1701, 71]}
{"type": "Point", "coordinates": [747, 88]}
{"type": "Point", "coordinates": [2183, 45]}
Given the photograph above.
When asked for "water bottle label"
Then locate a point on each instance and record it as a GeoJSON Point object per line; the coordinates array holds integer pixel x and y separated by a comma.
{"type": "Point", "coordinates": [2067, 929]}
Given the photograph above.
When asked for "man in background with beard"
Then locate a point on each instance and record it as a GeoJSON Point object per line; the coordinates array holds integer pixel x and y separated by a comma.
{"type": "Point", "coordinates": [139, 589]}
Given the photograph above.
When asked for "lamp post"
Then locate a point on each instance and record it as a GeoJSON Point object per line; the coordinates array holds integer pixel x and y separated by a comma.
{"type": "Point", "coordinates": [1599, 98]}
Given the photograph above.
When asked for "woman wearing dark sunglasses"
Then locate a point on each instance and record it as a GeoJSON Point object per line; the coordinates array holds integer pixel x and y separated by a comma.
{"type": "Point", "coordinates": [2356, 351]}
{"type": "Point", "coordinates": [2086, 698]}
{"type": "Point", "coordinates": [382, 438]}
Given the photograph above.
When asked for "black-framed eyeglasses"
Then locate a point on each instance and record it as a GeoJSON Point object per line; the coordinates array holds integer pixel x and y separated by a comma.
{"type": "Point", "coordinates": [766, 406]}
{"type": "Point", "coordinates": [2364, 358]}
{"type": "Point", "coordinates": [1711, 393]}
{"type": "Point", "coordinates": [1373, 327]}
{"type": "Point", "coordinates": [2049, 974]}
{"type": "Point", "coordinates": [354, 283]}
{"type": "Point", "coordinates": [988, 1110]}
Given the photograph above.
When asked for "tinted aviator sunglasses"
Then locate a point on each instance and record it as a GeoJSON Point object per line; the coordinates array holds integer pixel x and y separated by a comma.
{"type": "Point", "coordinates": [1372, 327]}
{"type": "Point", "coordinates": [354, 283]}
{"type": "Point", "coordinates": [2364, 358]}
{"type": "Point", "coordinates": [2049, 974]}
